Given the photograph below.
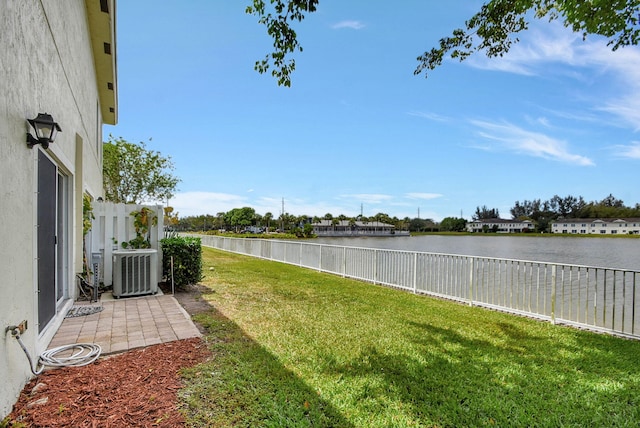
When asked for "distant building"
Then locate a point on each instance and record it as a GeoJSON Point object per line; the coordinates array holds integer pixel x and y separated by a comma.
{"type": "Point", "coordinates": [596, 226]}
{"type": "Point", "coordinates": [500, 225]}
{"type": "Point", "coordinates": [355, 228]}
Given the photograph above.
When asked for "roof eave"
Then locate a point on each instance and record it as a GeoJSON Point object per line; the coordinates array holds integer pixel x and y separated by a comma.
{"type": "Point", "coordinates": [102, 27]}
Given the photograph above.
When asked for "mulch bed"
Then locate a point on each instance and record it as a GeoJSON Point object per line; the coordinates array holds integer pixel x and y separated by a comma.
{"type": "Point", "coordinates": [134, 389]}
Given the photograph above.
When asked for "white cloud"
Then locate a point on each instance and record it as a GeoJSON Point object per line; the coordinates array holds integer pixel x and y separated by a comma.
{"type": "Point", "coordinates": [431, 116]}
{"type": "Point", "coordinates": [632, 151]}
{"type": "Point", "coordinates": [197, 203]}
{"type": "Point", "coordinates": [369, 198]}
{"type": "Point", "coordinates": [626, 108]}
{"type": "Point", "coordinates": [548, 44]}
{"type": "Point", "coordinates": [518, 140]}
{"type": "Point", "coordinates": [426, 196]}
{"type": "Point", "coordinates": [294, 206]}
{"type": "Point", "coordinates": [540, 46]}
{"type": "Point", "coordinates": [539, 121]}
{"type": "Point", "coordinates": [575, 116]}
{"type": "Point", "coordinates": [351, 24]}
{"type": "Point", "coordinates": [624, 64]}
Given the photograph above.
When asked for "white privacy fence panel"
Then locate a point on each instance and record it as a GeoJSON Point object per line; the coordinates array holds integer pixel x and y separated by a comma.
{"type": "Point", "coordinates": [311, 257]}
{"type": "Point", "coordinates": [112, 225]}
{"type": "Point", "coordinates": [601, 299]}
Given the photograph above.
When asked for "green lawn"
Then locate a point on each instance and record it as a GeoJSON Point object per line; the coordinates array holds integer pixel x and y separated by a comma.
{"type": "Point", "coordinates": [297, 348]}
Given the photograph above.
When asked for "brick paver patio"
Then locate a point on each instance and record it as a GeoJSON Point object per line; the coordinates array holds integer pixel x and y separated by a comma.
{"type": "Point", "coordinates": [128, 323]}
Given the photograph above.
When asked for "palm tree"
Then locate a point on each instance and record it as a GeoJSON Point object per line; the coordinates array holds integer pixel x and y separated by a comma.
{"type": "Point", "coordinates": [268, 217]}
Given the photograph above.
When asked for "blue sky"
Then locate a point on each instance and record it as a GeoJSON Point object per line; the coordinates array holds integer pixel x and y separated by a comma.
{"type": "Point", "coordinates": [357, 131]}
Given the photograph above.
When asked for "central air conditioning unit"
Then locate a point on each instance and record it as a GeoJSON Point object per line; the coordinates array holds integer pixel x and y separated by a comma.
{"type": "Point", "coordinates": [135, 272]}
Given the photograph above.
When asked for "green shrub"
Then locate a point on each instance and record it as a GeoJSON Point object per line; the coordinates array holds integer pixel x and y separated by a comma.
{"type": "Point", "coordinates": [187, 260]}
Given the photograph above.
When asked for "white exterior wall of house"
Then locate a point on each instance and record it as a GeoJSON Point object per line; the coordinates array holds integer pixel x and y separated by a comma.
{"type": "Point", "coordinates": [355, 228]}
{"type": "Point", "coordinates": [503, 225]}
{"type": "Point", "coordinates": [48, 65]}
{"type": "Point", "coordinates": [589, 226]}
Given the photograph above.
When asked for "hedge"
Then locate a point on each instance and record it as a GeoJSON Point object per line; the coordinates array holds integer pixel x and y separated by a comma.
{"type": "Point", "coordinates": [187, 260]}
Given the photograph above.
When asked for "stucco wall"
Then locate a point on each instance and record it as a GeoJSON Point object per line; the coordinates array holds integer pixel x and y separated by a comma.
{"type": "Point", "coordinates": [46, 65]}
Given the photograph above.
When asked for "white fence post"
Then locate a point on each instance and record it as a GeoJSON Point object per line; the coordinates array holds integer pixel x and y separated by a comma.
{"type": "Point", "coordinates": [375, 267]}
{"type": "Point", "coordinates": [471, 266]}
{"type": "Point", "coordinates": [344, 262]}
{"type": "Point", "coordinates": [553, 294]}
{"type": "Point", "coordinates": [415, 272]}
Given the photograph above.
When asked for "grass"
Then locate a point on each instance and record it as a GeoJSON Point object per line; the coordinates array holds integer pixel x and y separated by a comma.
{"type": "Point", "coordinates": [298, 348]}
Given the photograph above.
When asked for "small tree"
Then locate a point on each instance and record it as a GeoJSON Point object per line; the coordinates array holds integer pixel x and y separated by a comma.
{"type": "Point", "coordinates": [240, 217]}
{"type": "Point", "coordinates": [307, 230]}
{"type": "Point", "coordinates": [486, 213]}
{"type": "Point", "coordinates": [133, 174]}
{"type": "Point", "coordinates": [453, 224]}
{"type": "Point", "coordinates": [87, 219]}
{"type": "Point", "coordinates": [267, 218]}
{"type": "Point", "coordinates": [142, 221]}
{"type": "Point", "coordinates": [171, 218]}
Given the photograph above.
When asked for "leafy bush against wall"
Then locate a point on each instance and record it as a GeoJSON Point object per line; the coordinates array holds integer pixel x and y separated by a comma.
{"type": "Point", "coordinates": [187, 260]}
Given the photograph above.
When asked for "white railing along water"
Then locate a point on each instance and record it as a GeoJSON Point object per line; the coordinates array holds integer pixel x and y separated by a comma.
{"type": "Point", "coordinates": [596, 298]}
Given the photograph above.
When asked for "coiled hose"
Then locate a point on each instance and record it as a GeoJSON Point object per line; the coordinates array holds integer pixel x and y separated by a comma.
{"type": "Point", "coordinates": [81, 355]}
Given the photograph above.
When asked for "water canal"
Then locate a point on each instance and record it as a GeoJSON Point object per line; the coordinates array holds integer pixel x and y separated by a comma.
{"type": "Point", "coordinates": [619, 253]}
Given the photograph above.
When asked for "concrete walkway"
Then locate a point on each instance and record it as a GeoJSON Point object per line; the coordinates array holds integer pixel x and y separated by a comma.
{"type": "Point", "coordinates": [128, 323]}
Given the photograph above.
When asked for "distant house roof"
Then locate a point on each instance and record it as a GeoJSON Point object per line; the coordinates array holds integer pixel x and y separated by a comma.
{"type": "Point", "coordinates": [357, 223]}
{"type": "Point", "coordinates": [500, 220]}
{"type": "Point", "coordinates": [598, 220]}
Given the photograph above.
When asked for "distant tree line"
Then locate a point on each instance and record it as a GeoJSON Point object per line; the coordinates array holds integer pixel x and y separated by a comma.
{"type": "Point", "coordinates": [542, 213]}
{"type": "Point", "coordinates": [246, 218]}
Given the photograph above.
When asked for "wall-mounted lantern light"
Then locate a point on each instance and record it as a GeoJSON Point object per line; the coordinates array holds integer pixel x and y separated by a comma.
{"type": "Point", "coordinates": [46, 130]}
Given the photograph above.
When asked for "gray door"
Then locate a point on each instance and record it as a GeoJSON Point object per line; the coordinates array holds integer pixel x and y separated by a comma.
{"type": "Point", "coordinates": [47, 187]}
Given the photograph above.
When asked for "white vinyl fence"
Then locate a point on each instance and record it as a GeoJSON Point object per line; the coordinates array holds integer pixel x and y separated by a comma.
{"type": "Point", "coordinates": [113, 225]}
{"type": "Point", "coordinates": [597, 298]}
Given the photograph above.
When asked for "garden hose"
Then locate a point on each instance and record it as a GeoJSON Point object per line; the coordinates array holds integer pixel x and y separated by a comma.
{"type": "Point", "coordinates": [81, 355]}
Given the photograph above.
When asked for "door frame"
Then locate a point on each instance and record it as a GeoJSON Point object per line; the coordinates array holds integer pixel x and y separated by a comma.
{"type": "Point", "coordinates": [58, 260]}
